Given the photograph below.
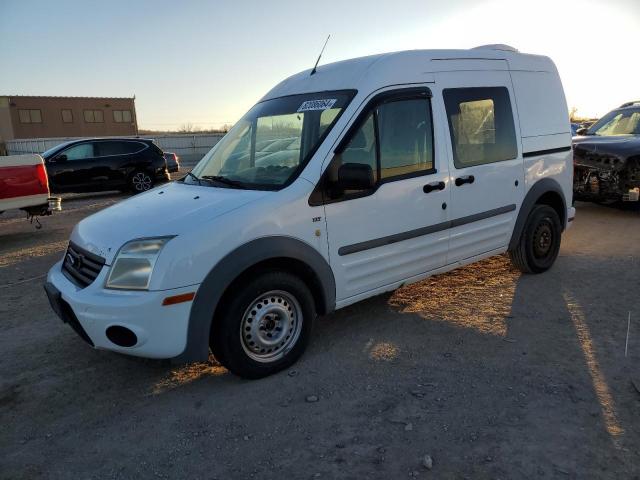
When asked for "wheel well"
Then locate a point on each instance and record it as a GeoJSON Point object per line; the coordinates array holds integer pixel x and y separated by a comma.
{"type": "Point", "coordinates": [282, 264]}
{"type": "Point", "coordinates": [554, 200]}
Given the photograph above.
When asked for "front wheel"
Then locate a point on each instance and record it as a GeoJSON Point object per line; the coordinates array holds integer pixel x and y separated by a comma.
{"type": "Point", "coordinates": [539, 243]}
{"type": "Point", "coordinates": [265, 326]}
{"type": "Point", "coordinates": [140, 181]}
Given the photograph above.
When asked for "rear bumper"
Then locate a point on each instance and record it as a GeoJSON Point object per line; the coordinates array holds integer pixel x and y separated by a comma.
{"type": "Point", "coordinates": [9, 203]}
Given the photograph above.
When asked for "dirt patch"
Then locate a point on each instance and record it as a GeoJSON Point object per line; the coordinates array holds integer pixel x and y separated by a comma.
{"type": "Point", "coordinates": [479, 296]}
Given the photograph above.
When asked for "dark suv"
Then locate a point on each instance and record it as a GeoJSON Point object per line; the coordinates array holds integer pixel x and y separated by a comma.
{"type": "Point", "coordinates": [90, 165]}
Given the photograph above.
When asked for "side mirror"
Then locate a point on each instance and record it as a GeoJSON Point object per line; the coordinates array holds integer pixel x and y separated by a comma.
{"type": "Point", "coordinates": [355, 176]}
{"type": "Point", "coordinates": [582, 131]}
{"type": "Point", "coordinates": [60, 158]}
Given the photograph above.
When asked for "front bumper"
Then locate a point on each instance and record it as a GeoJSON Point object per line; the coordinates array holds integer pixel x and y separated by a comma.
{"type": "Point", "coordinates": [571, 215]}
{"type": "Point", "coordinates": [160, 331]}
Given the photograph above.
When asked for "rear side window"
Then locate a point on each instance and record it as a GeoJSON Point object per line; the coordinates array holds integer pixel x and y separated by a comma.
{"type": "Point", "coordinates": [117, 148]}
{"type": "Point", "coordinates": [481, 125]}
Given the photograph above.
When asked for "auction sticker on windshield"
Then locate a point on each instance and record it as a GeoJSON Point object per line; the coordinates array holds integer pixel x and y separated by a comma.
{"type": "Point", "coordinates": [321, 104]}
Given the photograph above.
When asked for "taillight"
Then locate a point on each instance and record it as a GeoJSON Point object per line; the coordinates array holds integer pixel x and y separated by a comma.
{"type": "Point", "coordinates": [41, 174]}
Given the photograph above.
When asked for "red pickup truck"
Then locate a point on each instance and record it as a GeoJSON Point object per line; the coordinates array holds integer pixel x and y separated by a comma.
{"type": "Point", "coordinates": [24, 185]}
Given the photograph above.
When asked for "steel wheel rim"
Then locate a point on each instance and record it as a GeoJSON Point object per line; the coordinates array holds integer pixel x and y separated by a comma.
{"type": "Point", "coordinates": [271, 326]}
{"type": "Point", "coordinates": [141, 182]}
{"type": "Point", "coordinates": [543, 239]}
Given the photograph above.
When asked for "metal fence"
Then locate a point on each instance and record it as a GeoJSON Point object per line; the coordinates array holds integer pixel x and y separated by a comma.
{"type": "Point", "coordinates": [190, 148]}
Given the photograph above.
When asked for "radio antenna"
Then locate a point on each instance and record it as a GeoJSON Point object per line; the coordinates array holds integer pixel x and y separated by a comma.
{"type": "Point", "coordinates": [320, 56]}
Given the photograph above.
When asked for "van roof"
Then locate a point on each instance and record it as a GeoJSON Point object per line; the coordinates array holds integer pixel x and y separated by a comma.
{"type": "Point", "coordinates": [374, 71]}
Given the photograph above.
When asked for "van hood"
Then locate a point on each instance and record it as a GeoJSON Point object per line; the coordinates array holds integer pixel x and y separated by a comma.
{"type": "Point", "coordinates": [171, 209]}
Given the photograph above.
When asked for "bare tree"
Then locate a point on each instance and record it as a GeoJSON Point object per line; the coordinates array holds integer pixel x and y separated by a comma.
{"type": "Point", "coordinates": [572, 113]}
{"type": "Point", "coordinates": [186, 128]}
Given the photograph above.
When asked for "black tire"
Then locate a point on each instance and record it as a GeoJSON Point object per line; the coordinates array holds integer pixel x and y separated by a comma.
{"type": "Point", "coordinates": [539, 242]}
{"type": "Point", "coordinates": [140, 181]}
{"type": "Point", "coordinates": [237, 334]}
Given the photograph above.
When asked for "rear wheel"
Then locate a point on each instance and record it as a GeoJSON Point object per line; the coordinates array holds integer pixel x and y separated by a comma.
{"type": "Point", "coordinates": [265, 326]}
{"type": "Point", "coordinates": [539, 243]}
{"type": "Point", "coordinates": [141, 181]}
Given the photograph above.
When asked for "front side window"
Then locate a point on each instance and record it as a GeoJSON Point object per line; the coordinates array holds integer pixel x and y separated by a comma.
{"type": "Point", "coordinates": [79, 152]}
{"type": "Point", "coordinates": [394, 136]}
{"type": "Point", "coordinates": [362, 147]}
{"type": "Point", "coordinates": [481, 125]}
{"type": "Point", "coordinates": [272, 142]}
{"type": "Point", "coordinates": [406, 141]}
{"type": "Point", "coordinates": [618, 122]}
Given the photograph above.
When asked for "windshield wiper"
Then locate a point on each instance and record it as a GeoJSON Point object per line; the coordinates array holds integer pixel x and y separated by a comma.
{"type": "Point", "coordinates": [224, 180]}
{"type": "Point", "coordinates": [197, 179]}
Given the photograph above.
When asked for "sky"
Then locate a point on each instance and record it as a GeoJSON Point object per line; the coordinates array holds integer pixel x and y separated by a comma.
{"type": "Point", "coordinates": [207, 62]}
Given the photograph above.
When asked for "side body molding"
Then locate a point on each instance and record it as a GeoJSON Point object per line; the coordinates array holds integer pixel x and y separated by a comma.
{"type": "Point", "coordinates": [230, 267]}
{"type": "Point", "coordinates": [538, 189]}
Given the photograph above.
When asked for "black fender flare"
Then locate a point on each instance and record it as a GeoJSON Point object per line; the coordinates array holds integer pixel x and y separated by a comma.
{"type": "Point", "coordinates": [538, 189]}
{"type": "Point", "coordinates": [230, 267]}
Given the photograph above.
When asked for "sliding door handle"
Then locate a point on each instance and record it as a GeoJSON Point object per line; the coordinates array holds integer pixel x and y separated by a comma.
{"type": "Point", "coordinates": [430, 187]}
{"type": "Point", "coordinates": [465, 179]}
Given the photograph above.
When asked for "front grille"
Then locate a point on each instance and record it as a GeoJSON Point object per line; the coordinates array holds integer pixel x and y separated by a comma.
{"type": "Point", "coordinates": [80, 266]}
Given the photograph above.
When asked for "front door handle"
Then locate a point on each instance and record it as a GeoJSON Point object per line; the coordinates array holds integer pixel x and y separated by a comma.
{"type": "Point", "coordinates": [430, 187]}
{"type": "Point", "coordinates": [465, 179]}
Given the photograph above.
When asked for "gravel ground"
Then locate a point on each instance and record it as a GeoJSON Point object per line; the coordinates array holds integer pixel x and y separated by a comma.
{"type": "Point", "coordinates": [489, 373]}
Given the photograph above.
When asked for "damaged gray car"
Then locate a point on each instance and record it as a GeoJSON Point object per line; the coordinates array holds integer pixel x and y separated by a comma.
{"type": "Point", "coordinates": [606, 157]}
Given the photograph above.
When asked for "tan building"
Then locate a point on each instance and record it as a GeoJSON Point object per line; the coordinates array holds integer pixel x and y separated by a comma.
{"type": "Point", "coordinates": [46, 117]}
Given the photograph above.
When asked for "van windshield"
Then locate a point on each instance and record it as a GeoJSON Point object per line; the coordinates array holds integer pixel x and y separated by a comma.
{"type": "Point", "coordinates": [271, 144]}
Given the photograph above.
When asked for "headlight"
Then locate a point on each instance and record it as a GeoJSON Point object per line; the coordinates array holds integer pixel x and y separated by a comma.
{"type": "Point", "coordinates": [133, 265]}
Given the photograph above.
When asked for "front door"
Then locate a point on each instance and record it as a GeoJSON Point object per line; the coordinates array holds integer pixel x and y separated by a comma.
{"type": "Point", "coordinates": [70, 169]}
{"type": "Point", "coordinates": [486, 167]}
{"type": "Point", "coordinates": [397, 229]}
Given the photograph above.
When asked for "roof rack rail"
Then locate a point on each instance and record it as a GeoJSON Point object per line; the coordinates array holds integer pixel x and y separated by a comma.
{"type": "Point", "coordinates": [630, 104]}
{"type": "Point", "coordinates": [497, 46]}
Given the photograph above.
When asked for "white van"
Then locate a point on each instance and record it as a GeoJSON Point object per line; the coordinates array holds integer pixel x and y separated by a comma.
{"type": "Point", "coordinates": [340, 184]}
